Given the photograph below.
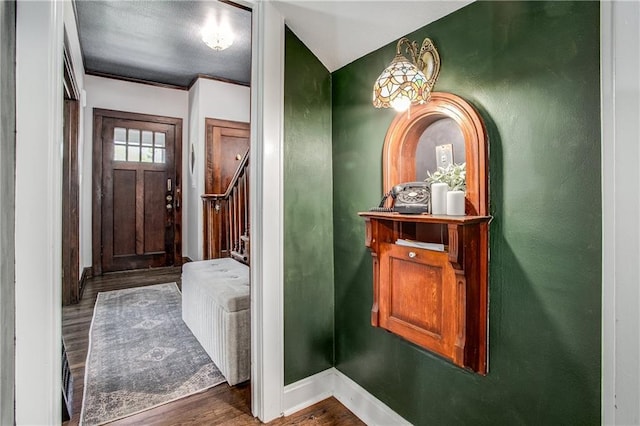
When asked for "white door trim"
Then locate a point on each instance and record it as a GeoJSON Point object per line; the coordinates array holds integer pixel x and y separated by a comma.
{"type": "Point", "coordinates": [620, 72]}
{"type": "Point", "coordinates": [38, 231]}
{"type": "Point", "coordinates": [266, 199]}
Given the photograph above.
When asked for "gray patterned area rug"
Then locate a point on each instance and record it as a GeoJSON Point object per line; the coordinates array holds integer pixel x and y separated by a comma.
{"type": "Point", "coordinates": [141, 354]}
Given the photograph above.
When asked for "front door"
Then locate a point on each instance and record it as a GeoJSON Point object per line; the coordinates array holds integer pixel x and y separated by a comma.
{"type": "Point", "coordinates": [138, 203]}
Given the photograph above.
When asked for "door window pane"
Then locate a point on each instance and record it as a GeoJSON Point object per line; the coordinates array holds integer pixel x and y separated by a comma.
{"type": "Point", "coordinates": [147, 155]}
{"type": "Point", "coordinates": [120, 135]}
{"type": "Point", "coordinates": [120, 153]}
{"type": "Point", "coordinates": [159, 139]}
{"type": "Point", "coordinates": [134, 137]}
{"type": "Point", "coordinates": [159, 155]}
{"type": "Point", "coordinates": [147, 138]}
{"type": "Point", "coordinates": [134, 153]}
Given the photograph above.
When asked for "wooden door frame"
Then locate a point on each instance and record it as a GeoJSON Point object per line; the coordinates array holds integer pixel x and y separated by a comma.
{"type": "Point", "coordinates": [96, 228]}
{"type": "Point", "coordinates": [71, 291]}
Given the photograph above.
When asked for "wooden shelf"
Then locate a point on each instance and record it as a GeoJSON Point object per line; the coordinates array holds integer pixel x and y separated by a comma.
{"type": "Point", "coordinates": [425, 218]}
{"type": "Point", "coordinates": [435, 299]}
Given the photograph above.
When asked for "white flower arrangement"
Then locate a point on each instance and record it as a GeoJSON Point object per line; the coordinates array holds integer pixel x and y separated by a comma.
{"type": "Point", "coordinates": [454, 175]}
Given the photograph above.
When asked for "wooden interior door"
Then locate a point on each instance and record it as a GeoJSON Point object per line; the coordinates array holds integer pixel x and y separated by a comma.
{"type": "Point", "coordinates": [138, 194]}
{"type": "Point", "coordinates": [226, 144]}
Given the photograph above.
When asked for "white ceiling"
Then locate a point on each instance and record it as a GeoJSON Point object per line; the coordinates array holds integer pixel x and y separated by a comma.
{"type": "Point", "coordinates": [339, 32]}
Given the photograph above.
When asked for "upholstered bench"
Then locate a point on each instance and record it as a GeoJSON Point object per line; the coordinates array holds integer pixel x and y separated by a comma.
{"type": "Point", "coordinates": [215, 306]}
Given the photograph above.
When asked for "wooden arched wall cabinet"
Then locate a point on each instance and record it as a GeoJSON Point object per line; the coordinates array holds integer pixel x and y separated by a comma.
{"type": "Point", "coordinates": [404, 133]}
{"type": "Point", "coordinates": [433, 290]}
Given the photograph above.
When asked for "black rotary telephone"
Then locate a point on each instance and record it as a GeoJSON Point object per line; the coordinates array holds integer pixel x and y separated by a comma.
{"type": "Point", "coordinates": [408, 198]}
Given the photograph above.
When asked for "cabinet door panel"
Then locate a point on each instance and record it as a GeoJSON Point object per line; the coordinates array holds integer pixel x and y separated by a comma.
{"type": "Point", "coordinates": [417, 290]}
{"type": "Point", "coordinates": [416, 295]}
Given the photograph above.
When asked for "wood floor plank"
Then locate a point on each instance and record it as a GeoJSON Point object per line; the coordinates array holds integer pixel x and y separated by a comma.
{"type": "Point", "coordinates": [223, 404]}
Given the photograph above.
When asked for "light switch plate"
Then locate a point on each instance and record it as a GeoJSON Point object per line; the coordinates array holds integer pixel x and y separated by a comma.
{"type": "Point", "coordinates": [444, 155]}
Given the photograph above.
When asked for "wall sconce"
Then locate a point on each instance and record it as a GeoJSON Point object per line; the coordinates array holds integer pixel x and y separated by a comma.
{"type": "Point", "coordinates": [405, 82]}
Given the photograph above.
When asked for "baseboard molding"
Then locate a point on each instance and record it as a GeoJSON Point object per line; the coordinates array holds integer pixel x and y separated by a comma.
{"type": "Point", "coordinates": [87, 273]}
{"type": "Point", "coordinates": [367, 407]}
{"type": "Point", "coordinates": [332, 382]}
{"type": "Point", "coordinates": [308, 391]}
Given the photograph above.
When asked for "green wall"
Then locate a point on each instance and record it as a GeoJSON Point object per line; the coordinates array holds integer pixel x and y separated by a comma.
{"type": "Point", "coordinates": [308, 210]}
{"type": "Point", "coordinates": [532, 71]}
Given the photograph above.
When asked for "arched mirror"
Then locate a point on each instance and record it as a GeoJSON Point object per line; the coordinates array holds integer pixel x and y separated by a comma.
{"type": "Point", "coordinates": [444, 130]}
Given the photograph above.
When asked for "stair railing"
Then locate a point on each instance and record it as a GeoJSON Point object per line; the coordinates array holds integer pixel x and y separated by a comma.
{"type": "Point", "coordinates": [226, 218]}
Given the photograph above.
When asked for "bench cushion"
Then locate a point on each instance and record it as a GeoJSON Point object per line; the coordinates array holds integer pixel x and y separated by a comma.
{"type": "Point", "coordinates": [225, 281]}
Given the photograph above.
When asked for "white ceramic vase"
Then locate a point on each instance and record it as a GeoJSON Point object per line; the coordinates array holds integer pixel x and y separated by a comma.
{"type": "Point", "coordinates": [439, 198]}
{"type": "Point", "coordinates": [455, 203]}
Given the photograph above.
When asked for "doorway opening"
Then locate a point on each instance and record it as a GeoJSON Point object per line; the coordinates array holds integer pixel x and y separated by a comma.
{"type": "Point", "coordinates": [226, 198]}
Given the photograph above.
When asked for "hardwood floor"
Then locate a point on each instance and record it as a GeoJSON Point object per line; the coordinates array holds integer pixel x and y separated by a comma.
{"type": "Point", "coordinates": [220, 405]}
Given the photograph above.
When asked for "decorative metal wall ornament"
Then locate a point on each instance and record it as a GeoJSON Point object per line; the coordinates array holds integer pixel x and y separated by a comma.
{"type": "Point", "coordinates": [406, 81]}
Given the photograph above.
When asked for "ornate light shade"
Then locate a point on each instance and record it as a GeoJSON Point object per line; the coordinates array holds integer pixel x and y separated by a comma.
{"type": "Point", "coordinates": [406, 81]}
{"type": "Point", "coordinates": [399, 85]}
{"type": "Point", "coordinates": [217, 38]}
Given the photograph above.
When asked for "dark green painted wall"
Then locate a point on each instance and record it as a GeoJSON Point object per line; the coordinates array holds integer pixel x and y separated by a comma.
{"type": "Point", "coordinates": [308, 210]}
{"type": "Point", "coordinates": [532, 70]}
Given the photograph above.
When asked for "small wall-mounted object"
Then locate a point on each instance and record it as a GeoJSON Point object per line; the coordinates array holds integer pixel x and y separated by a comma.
{"type": "Point", "coordinates": [430, 272]}
{"type": "Point", "coordinates": [192, 165]}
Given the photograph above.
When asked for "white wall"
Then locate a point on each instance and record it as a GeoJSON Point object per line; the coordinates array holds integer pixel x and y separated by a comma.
{"type": "Point", "coordinates": [208, 99]}
{"type": "Point", "coordinates": [193, 243]}
{"type": "Point", "coordinates": [106, 93]}
{"type": "Point", "coordinates": [38, 211]}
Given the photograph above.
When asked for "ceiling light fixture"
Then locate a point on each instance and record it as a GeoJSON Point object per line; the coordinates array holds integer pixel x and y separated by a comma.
{"type": "Point", "coordinates": [405, 82]}
{"type": "Point", "coordinates": [217, 37]}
